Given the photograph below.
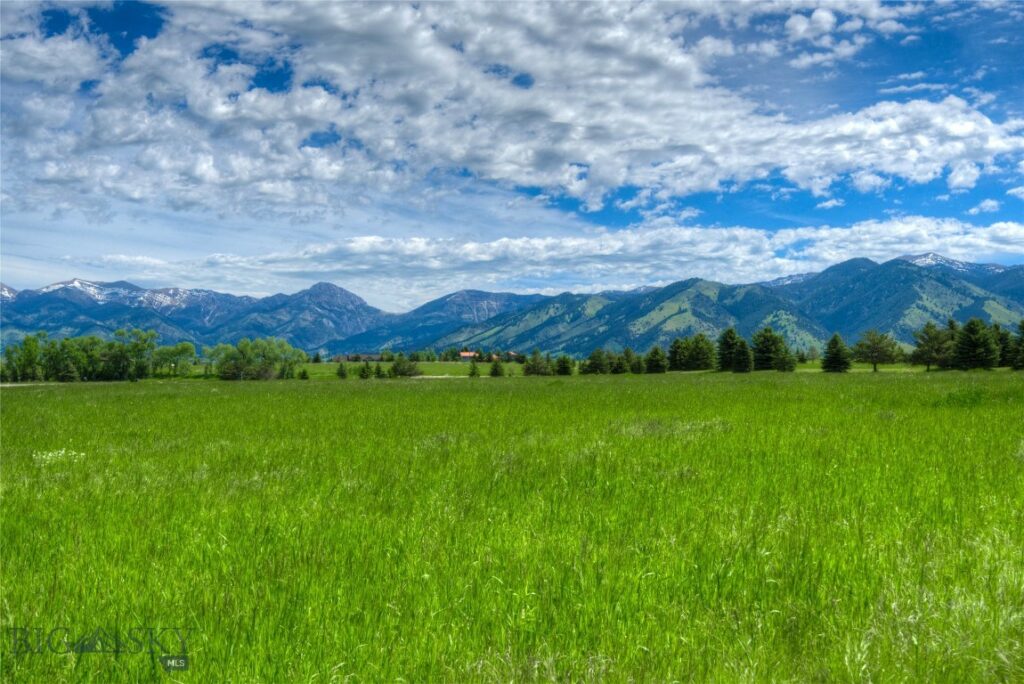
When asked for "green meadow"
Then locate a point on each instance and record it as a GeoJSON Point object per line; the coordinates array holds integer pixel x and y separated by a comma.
{"type": "Point", "coordinates": [688, 526]}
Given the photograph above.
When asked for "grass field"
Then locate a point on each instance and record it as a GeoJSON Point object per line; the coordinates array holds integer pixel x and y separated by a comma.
{"type": "Point", "coordinates": [713, 527]}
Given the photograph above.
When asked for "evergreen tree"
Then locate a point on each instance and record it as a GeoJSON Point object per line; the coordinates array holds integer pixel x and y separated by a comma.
{"type": "Point", "coordinates": [767, 345]}
{"type": "Point", "coordinates": [365, 372]}
{"type": "Point", "coordinates": [596, 363]}
{"type": "Point", "coordinates": [975, 347]}
{"type": "Point", "coordinates": [801, 356]}
{"type": "Point", "coordinates": [837, 356]}
{"type": "Point", "coordinates": [698, 353]}
{"type": "Point", "coordinates": [537, 365]}
{"type": "Point", "coordinates": [564, 365]}
{"type": "Point", "coordinates": [784, 361]}
{"type": "Point", "coordinates": [342, 372]}
{"type": "Point", "coordinates": [617, 365]}
{"type": "Point", "coordinates": [1018, 355]}
{"type": "Point", "coordinates": [497, 370]}
{"type": "Point", "coordinates": [403, 367]}
{"type": "Point", "coordinates": [317, 358]}
{"type": "Point", "coordinates": [948, 359]}
{"type": "Point", "coordinates": [874, 347]}
{"type": "Point", "coordinates": [813, 353]}
{"type": "Point", "coordinates": [727, 343]}
{"type": "Point", "coordinates": [932, 346]}
{"type": "Point", "coordinates": [474, 371]}
{"type": "Point", "coordinates": [742, 357]}
{"type": "Point", "coordinates": [634, 364]}
{"type": "Point", "coordinates": [1004, 340]}
{"type": "Point", "coordinates": [303, 374]}
{"type": "Point", "coordinates": [676, 355]}
{"type": "Point", "coordinates": [655, 361]}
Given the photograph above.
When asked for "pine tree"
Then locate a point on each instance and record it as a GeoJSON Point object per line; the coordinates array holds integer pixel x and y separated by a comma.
{"type": "Point", "coordinates": [497, 370]}
{"type": "Point", "coordinates": [634, 364]}
{"type": "Point", "coordinates": [698, 353]}
{"type": "Point", "coordinates": [596, 363]}
{"type": "Point", "coordinates": [837, 356]}
{"type": "Point", "coordinates": [677, 355]}
{"type": "Point", "coordinates": [564, 365]}
{"type": "Point", "coordinates": [1004, 340]}
{"type": "Point", "coordinates": [365, 372]}
{"type": "Point", "coordinates": [932, 346]}
{"type": "Point", "coordinates": [1018, 355]}
{"type": "Point", "coordinates": [618, 364]}
{"type": "Point", "coordinates": [303, 374]}
{"type": "Point", "coordinates": [537, 364]}
{"type": "Point", "coordinates": [742, 357]}
{"type": "Point", "coordinates": [727, 343]}
{"type": "Point", "coordinates": [975, 347]}
{"type": "Point", "coordinates": [317, 358]}
{"type": "Point", "coordinates": [784, 361]}
{"type": "Point", "coordinates": [801, 357]}
{"type": "Point", "coordinates": [655, 361]}
{"type": "Point", "coordinates": [378, 372]}
{"type": "Point", "coordinates": [766, 345]}
{"type": "Point", "coordinates": [474, 371]}
{"type": "Point", "coordinates": [342, 372]}
{"type": "Point", "coordinates": [948, 359]}
{"type": "Point", "coordinates": [874, 347]}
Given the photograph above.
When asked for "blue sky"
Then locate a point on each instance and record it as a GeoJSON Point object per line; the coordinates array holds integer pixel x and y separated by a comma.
{"type": "Point", "coordinates": [407, 150]}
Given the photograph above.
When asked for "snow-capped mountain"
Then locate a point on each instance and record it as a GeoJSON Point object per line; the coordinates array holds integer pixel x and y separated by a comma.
{"type": "Point", "coordinates": [933, 260]}
{"type": "Point", "coordinates": [848, 298]}
{"type": "Point", "coordinates": [787, 280]}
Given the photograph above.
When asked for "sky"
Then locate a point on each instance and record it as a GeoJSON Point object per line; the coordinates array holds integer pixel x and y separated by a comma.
{"type": "Point", "coordinates": [404, 151]}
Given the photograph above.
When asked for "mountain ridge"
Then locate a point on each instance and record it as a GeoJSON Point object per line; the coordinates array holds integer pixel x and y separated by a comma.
{"type": "Point", "coordinates": [897, 296]}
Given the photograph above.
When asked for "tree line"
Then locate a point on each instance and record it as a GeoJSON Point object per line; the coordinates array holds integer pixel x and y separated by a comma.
{"type": "Point", "coordinates": [973, 345]}
{"type": "Point", "coordinates": [133, 354]}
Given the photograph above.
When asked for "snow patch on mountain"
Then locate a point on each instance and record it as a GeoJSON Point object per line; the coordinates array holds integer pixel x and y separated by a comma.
{"type": "Point", "coordinates": [787, 280]}
{"type": "Point", "coordinates": [933, 260]}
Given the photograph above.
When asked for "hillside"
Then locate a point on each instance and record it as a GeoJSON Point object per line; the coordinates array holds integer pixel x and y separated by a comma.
{"type": "Point", "coordinates": [897, 296]}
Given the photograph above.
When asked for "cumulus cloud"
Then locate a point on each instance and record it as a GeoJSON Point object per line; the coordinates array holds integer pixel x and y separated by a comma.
{"type": "Point", "coordinates": [391, 119]}
{"type": "Point", "coordinates": [416, 90]}
{"type": "Point", "coordinates": [398, 273]}
{"type": "Point", "coordinates": [830, 204]}
{"type": "Point", "coordinates": [987, 206]}
{"type": "Point", "coordinates": [1017, 192]}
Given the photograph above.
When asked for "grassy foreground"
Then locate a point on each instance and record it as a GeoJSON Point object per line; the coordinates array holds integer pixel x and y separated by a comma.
{"type": "Point", "coordinates": [687, 526]}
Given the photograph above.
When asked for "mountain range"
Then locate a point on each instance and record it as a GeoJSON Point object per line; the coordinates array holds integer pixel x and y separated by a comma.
{"type": "Point", "coordinates": [897, 296]}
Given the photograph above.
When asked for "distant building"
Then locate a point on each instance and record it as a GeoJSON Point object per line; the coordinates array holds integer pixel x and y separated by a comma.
{"type": "Point", "coordinates": [467, 356]}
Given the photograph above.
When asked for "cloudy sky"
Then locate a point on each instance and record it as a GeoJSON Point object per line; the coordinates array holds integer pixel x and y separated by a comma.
{"type": "Point", "coordinates": [408, 150]}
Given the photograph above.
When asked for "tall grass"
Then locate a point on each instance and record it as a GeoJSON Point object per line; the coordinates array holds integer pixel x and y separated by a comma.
{"type": "Point", "coordinates": [649, 528]}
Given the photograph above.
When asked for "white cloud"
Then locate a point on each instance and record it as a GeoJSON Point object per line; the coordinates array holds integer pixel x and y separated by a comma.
{"type": "Point", "coordinates": [984, 207]}
{"type": "Point", "coordinates": [865, 181]}
{"type": "Point", "coordinates": [916, 88]}
{"type": "Point", "coordinates": [433, 139]}
{"type": "Point", "coordinates": [414, 105]}
{"type": "Point", "coordinates": [963, 176]}
{"type": "Point", "coordinates": [830, 204]}
{"type": "Point", "coordinates": [398, 273]}
{"type": "Point", "coordinates": [1017, 192]}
